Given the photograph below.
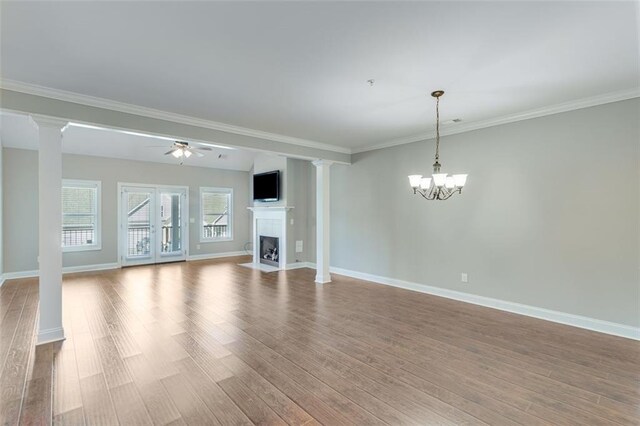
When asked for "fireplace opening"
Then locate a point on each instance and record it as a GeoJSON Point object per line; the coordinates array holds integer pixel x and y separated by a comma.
{"type": "Point", "coordinates": [269, 251]}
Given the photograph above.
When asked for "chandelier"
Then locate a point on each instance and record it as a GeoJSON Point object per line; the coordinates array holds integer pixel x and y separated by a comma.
{"type": "Point", "coordinates": [440, 186]}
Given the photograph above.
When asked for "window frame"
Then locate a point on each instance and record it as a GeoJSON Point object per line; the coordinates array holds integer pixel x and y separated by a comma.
{"type": "Point", "coordinates": [216, 190]}
{"type": "Point", "coordinates": [93, 184]}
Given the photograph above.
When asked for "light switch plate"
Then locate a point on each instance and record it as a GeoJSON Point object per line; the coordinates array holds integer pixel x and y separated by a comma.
{"type": "Point", "coordinates": [464, 277]}
{"type": "Point", "coordinates": [299, 246]}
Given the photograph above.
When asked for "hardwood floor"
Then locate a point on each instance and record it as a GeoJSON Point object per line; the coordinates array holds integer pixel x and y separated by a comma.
{"type": "Point", "coordinates": [214, 343]}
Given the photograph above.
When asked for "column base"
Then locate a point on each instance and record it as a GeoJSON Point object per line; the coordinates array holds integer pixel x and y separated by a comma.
{"type": "Point", "coordinates": [323, 279]}
{"type": "Point", "coordinates": [50, 335]}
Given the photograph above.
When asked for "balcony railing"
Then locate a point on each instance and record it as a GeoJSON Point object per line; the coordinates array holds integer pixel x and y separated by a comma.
{"type": "Point", "coordinates": [138, 237]}
{"type": "Point", "coordinates": [77, 236]}
{"type": "Point", "coordinates": [215, 231]}
{"type": "Point", "coordinates": [138, 240]}
{"type": "Point", "coordinates": [168, 243]}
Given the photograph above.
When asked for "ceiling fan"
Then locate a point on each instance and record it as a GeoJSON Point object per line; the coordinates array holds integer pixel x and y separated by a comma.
{"type": "Point", "coordinates": [182, 150]}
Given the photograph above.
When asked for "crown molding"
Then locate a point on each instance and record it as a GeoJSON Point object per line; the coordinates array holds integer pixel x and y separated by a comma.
{"type": "Point", "coordinates": [93, 101]}
{"type": "Point", "coordinates": [511, 118]}
{"type": "Point", "coordinates": [62, 95]}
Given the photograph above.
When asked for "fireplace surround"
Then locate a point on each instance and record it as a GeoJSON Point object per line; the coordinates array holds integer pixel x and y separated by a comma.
{"type": "Point", "coordinates": [270, 222]}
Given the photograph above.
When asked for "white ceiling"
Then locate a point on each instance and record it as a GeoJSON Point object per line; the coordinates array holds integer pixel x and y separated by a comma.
{"type": "Point", "coordinates": [19, 131]}
{"type": "Point", "coordinates": [300, 69]}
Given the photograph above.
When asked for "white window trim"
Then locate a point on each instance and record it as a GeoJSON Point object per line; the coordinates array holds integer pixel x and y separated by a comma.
{"type": "Point", "coordinates": [81, 183]}
{"type": "Point", "coordinates": [205, 189]}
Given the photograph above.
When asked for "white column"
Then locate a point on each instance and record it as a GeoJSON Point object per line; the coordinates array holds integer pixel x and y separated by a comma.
{"type": "Point", "coordinates": [50, 227]}
{"type": "Point", "coordinates": [322, 220]}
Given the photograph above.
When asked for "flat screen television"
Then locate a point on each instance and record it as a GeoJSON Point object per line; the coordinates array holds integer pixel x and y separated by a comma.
{"type": "Point", "coordinates": [266, 186]}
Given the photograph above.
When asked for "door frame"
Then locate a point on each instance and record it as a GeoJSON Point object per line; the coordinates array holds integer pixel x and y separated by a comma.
{"type": "Point", "coordinates": [120, 224]}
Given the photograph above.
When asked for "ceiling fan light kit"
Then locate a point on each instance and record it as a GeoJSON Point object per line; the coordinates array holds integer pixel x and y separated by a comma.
{"type": "Point", "coordinates": [440, 186]}
{"type": "Point", "coordinates": [182, 150]}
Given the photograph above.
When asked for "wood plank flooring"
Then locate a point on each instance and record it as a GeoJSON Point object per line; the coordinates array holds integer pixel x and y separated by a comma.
{"type": "Point", "coordinates": [214, 343]}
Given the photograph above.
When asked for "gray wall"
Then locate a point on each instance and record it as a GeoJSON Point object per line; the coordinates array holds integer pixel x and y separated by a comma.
{"type": "Point", "coordinates": [300, 189]}
{"type": "Point", "coordinates": [549, 217]}
{"type": "Point", "coordinates": [20, 209]}
{"type": "Point", "coordinates": [20, 178]}
{"type": "Point", "coordinates": [1, 231]}
{"type": "Point", "coordinates": [310, 247]}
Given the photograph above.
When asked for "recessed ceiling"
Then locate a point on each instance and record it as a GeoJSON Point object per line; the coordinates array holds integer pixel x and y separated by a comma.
{"type": "Point", "coordinates": [301, 68]}
{"type": "Point", "coordinates": [18, 131]}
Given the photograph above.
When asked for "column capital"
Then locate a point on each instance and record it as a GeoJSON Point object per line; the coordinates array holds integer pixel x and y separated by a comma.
{"type": "Point", "coordinates": [48, 121]}
{"type": "Point", "coordinates": [319, 163]}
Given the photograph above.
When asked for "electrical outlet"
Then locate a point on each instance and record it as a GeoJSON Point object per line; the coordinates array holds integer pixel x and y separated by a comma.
{"type": "Point", "coordinates": [292, 221]}
{"type": "Point", "coordinates": [198, 246]}
{"type": "Point", "coordinates": [464, 277]}
{"type": "Point", "coordinates": [299, 246]}
{"type": "Point", "coordinates": [192, 220]}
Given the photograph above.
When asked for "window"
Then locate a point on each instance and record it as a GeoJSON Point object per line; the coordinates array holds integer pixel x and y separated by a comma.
{"type": "Point", "coordinates": [80, 215]}
{"type": "Point", "coordinates": [216, 218]}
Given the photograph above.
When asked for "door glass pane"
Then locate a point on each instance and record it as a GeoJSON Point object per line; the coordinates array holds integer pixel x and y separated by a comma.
{"type": "Point", "coordinates": [171, 219]}
{"type": "Point", "coordinates": [138, 223]}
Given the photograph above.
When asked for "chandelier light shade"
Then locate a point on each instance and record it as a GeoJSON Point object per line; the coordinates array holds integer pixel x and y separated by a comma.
{"type": "Point", "coordinates": [440, 186]}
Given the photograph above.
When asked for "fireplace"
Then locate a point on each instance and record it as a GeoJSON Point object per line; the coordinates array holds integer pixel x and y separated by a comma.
{"type": "Point", "coordinates": [269, 227]}
{"type": "Point", "coordinates": [269, 250]}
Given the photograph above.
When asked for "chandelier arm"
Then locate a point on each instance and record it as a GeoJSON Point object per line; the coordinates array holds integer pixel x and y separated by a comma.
{"type": "Point", "coordinates": [451, 194]}
{"type": "Point", "coordinates": [426, 195]}
{"type": "Point", "coordinates": [443, 194]}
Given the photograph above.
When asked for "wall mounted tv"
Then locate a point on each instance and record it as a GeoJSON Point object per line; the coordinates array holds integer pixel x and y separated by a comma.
{"type": "Point", "coordinates": [266, 186]}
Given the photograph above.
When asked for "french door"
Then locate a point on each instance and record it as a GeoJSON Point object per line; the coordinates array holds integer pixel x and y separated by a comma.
{"type": "Point", "coordinates": [153, 224]}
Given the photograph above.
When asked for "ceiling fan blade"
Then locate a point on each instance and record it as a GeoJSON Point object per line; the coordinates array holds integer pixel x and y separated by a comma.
{"type": "Point", "coordinates": [203, 148]}
{"type": "Point", "coordinates": [171, 151]}
{"type": "Point", "coordinates": [156, 146]}
{"type": "Point", "coordinates": [198, 154]}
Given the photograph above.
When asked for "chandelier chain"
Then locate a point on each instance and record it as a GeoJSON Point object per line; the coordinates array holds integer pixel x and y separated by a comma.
{"type": "Point", "coordinates": [437, 128]}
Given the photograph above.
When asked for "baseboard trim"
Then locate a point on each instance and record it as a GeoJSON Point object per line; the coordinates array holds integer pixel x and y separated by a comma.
{"type": "Point", "coordinates": [587, 323]}
{"type": "Point", "coordinates": [65, 270]}
{"type": "Point", "coordinates": [593, 324]}
{"type": "Point", "coordinates": [90, 268]}
{"type": "Point", "coordinates": [50, 335]}
{"type": "Point", "coordinates": [20, 274]}
{"type": "Point", "coordinates": [107, 266]}
{"type": "Point", "coordinates": [300, 265]}
{"type": "Point", "coordinates": [216, 255]}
